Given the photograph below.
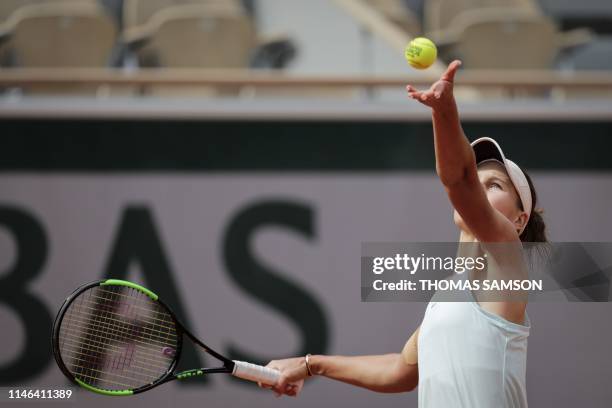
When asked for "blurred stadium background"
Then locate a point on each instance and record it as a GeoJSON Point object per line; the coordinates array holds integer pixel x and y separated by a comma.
{"type": "Point", "coordinates": [217, 149]}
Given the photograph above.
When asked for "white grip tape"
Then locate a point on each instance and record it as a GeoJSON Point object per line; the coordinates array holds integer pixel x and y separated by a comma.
{"type": "Point", "coordinates": [254, 372]}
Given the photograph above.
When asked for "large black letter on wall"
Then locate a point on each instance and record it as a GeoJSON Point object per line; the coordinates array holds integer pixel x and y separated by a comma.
{"type": "Point", "coordinates": [138, 240]}
{"type": "Point", "coordinates": [268, 286]}
{"type": "Point", "coordinates": [31, 253]}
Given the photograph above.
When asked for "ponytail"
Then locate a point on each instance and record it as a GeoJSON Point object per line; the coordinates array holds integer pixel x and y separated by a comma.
{"type": "Point", "coordinates": [535, 231]}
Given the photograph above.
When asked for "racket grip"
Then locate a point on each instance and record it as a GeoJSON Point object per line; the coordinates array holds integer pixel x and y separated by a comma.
{"type": "Point", "coordinates": [256, 373]}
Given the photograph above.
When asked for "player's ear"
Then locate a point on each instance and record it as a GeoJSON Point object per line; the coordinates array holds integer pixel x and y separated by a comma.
{"type": "Point", "coordinates": [521, 222]}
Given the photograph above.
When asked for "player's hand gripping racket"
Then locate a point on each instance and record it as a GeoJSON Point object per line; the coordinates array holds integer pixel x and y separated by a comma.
{"type": "Point", "coordinates": [115, 337]}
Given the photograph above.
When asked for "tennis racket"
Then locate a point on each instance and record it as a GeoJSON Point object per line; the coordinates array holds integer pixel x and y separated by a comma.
{"type": "Point", "coordinates": [115, 337]}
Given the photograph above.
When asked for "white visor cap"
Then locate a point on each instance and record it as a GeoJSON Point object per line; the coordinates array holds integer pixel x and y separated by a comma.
{"type": "Point", "coordinates": [487, 149]}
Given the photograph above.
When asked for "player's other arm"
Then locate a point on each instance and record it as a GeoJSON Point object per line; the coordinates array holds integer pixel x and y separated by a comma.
{"type": "Point", "coordinates": [387, 373]}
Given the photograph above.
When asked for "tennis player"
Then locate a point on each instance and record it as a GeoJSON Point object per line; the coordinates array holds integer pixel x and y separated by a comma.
{"type": "Point", "coordinates": [464, 354]}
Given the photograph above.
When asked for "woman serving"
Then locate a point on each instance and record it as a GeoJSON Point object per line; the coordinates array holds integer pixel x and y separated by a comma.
{"type": "Point", "coordinates": [464, 354]}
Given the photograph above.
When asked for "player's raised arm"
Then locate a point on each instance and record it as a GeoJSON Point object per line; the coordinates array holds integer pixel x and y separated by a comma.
{"type": "Point", "coordinates": [456, 163]}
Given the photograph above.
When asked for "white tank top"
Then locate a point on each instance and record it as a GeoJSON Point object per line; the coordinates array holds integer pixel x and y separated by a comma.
{"type": "Point", "coordinates": [471, 358]}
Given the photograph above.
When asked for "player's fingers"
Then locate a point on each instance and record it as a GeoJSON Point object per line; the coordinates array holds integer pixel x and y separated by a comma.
{"type": "Point", "coordinates": [265, 386]}
{"type": "Point", "coordinates": [412, 91]}
{"type": "Point", "coordinates": [281, 384]}
{"type": "Point", "coordinates": [278, 389]}
{"type": "Point", "coordinates": [449, 75]}
{"type": "Point", "coordinates": [281, 391]}
{"type": "Point", "coordinates": [294, 389]}
{"type": "Point", "coordinates": [414, 95]}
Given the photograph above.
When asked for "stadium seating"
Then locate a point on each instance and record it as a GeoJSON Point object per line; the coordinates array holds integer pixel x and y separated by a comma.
{"type": "Point", "coordinates": [59, 34]}
{"type": "Point", "coordinates": [191, 36]}
{"type": "Point", "coordinates": [439, 14]}
{"type": "Point", "coordinates": [7, 7]}
{"type": "Point", "coordinates": [480, 34]}
{"type": "Point", "coordinates": [75, 33]}
{"type": "Point", "coordinates": [220, 34]}
{"type": "Point", "coordinates": [137, 13]}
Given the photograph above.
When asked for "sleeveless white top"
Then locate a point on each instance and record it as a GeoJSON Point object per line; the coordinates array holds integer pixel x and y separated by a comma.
{"type": "Point", "coordinates": [471, 358]}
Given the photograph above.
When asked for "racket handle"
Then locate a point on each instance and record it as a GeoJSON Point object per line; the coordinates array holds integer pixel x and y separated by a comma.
{"type": "Point", "coordinates": [256, 373]}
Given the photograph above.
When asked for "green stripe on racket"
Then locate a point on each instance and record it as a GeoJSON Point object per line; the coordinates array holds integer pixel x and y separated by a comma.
{"type": "Point", "coordinates": [115, 337]}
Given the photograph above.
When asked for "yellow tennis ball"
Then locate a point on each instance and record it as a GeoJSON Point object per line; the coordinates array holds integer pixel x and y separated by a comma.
{"type": "Point", "coordinates": [421, 53]}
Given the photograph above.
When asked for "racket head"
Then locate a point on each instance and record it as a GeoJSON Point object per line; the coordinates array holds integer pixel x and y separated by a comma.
{"type": "Point", "coordinates": [115, 337]}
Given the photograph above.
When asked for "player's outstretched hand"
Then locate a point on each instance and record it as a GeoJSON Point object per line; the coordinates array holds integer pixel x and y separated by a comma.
{"type": "Point", "coordinates": [440, 95]}
{"type": "Point", "coordinates": [293, 372]}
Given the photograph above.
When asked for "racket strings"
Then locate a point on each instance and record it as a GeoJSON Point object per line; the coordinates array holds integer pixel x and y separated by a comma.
{"type": "Point", "coordinates": [136, 303]}
{"type": "Point", "coordinates": [116, 338]}
{"type": "Point", "coordinates": [93, 360]}
{"type": "Point", "coordinates": [123, 327]}
{"type": "Point", "coordinates": [90, 350]}
{"type": "Point", "coordinates": [97, 341]}
{"type": "Point", "coordinates": [148, 355]}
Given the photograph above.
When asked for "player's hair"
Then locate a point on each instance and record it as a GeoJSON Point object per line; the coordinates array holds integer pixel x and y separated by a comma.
{"type": "Point", "coordinates": [535, 231]}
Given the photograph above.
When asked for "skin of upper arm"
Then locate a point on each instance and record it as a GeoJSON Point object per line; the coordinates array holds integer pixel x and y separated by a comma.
{"type": "Point", "coordinates": [407, 369]}
{"type": "Point", "coordinates": [410, 351]}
